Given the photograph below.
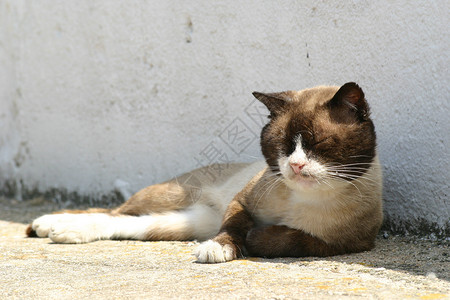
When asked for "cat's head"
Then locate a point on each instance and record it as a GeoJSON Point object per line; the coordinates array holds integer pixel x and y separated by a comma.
{"type": "Point", "coordinates": [318, 136]}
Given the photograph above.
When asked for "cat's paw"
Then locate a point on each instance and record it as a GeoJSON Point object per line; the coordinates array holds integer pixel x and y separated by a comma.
{"type": "Point", "coordinates": [70, 234]}
{"type": "Point", "coordinates": [43, 225]}
{"type": "Point", "coordinates": [64, 234]}
{"type": "Point", "coordinates": [213, 252]}
{"type": "Point", "coordinates": [73, 228]}
{"type": "Point", "coordinates": [82, 228]}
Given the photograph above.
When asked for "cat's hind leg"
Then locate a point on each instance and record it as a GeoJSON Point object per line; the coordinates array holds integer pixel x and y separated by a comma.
{"type": "Point", "coordinates": [176, 194]}
{"type": "Point", "coordinates": [195, 222]}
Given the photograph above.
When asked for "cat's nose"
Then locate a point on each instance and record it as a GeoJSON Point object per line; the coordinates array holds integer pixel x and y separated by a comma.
{"type": "Point", "coordinates": [297, 167]}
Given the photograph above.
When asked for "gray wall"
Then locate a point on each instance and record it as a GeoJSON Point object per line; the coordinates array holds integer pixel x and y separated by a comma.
{"type": "Point", "coordinates": [104, 95]}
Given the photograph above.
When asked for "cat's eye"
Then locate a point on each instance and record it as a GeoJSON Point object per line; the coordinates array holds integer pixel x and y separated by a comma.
{"type": "Point", "coordinates": [321, 141]}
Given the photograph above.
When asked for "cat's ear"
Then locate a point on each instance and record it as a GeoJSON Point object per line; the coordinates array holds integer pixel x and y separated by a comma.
{"type": "Point", "coordinates": [350, 99]}
{"type": "Point", "coordinates": [275, 102]}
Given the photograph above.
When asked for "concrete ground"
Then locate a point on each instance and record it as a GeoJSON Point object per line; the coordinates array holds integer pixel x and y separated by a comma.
{"type": "Point", "coordinates": [31, 268]}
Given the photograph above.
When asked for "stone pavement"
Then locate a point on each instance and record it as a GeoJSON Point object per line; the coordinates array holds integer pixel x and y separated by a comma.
{"type": "Point", "coordinates": [32, 268]}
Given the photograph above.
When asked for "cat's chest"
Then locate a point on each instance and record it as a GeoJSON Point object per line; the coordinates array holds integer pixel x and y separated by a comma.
{"type": "Point", "coordinates": [310, 212]}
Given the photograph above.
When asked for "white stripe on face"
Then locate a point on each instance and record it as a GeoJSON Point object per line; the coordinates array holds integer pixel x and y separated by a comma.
{"type": "Point", "coordinates": [299, 155]}
{"type": "Point", "coordinates": [311, 167]}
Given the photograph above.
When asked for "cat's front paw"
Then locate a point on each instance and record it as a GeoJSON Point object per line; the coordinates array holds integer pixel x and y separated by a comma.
{"type": "Point", "coordinates": [213, 252]}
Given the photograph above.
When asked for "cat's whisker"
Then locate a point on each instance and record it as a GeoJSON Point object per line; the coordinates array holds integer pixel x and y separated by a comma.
{"type": "Point", "coordinates": [274, 174]}
{"type": "Point", "coordinates": [347, 172]}
{"type": "Point", "coordinates": [240, 250]}
{"type": "Point", "coordinates": [361, 156]}
{"type": "Point", "coordinates": [273, 183]}
{"type": "Point", "coordinates": [349, 182]}
{"type": "Point", "coordinates": [356, 165]}
{"type": "Point", "coordinates": [353, 176]}
{"type": "Point", "coordinates": [367, 181]}
{"type": "Point", "coordinates": [328, 184]}
{"type": "Point", "coordinates": [359, 179]}
{"type": "Point", "coordinates": [360, 194]}
{"type": "Point", "coordinates": [268, 183]}
{"type": "Point", "coordinates": [346, 168]}
{"type": "Point", "coordinates": [351, 165]}
{"type": "Point", "coordinates": [317, 180]}
{"type": "Point", "coordinates": [354, 171]}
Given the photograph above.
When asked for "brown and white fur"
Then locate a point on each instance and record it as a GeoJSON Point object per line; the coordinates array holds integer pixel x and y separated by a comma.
{"type": "Point", "coordinates": [318, 192]}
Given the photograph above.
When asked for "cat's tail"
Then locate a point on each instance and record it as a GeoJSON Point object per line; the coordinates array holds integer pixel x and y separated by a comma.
{"type": "Point", "coordinates": [30, 232]}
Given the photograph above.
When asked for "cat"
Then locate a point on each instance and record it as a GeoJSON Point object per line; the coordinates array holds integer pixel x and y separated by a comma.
{"type": "Point", "coordinates": [318, 192]}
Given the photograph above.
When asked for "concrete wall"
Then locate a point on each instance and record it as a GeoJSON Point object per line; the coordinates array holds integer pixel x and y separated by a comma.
{"type": "Point", "coordinates": [101, 95]}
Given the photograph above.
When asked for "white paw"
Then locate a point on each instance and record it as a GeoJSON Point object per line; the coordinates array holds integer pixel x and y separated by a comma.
{"type": "Point", "coordinates": [81, 228]}
{"type": "Point", "coordinates": [70, 233]}
{"type": "Point", "coordinates": [43, 225]}
{"type": "Point", "coordinates": [73, 228]}
{"type": "Point", "coordinates": [212, 252]}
